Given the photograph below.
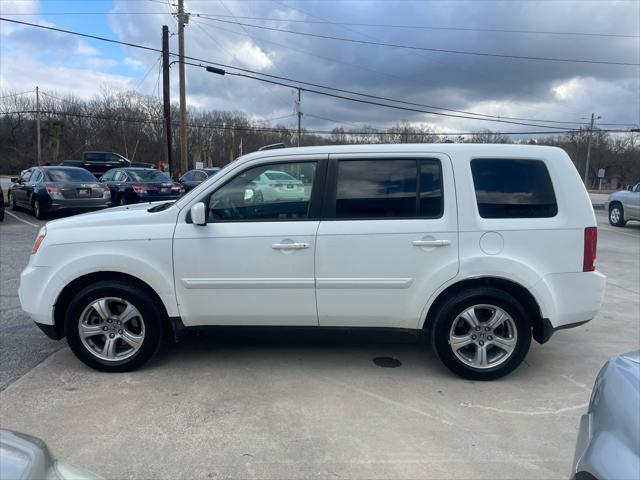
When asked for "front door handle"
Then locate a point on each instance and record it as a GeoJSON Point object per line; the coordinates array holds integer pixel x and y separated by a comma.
{"type": "Point", "coordinates": [431, 243]}
{"type": "Point", "coordinates": [289, 246]}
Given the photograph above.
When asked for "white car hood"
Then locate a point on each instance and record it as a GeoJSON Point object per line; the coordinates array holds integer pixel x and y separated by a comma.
{"type": "Point", "coordinates": [136, 214]}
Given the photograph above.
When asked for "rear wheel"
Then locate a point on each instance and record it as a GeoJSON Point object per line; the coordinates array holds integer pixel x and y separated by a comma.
{"type": "Point", "coordinates": [12, 202]}
{"type": "Point", "coordinates": [616, 215]}
{"type": "Point", "coordinates": [36, 208]}
{"type": "Point", "coordinates": [481, 334]}
{"type": "Point", "coordinates": [113, 326]}
{"type": "Point", "coordinates": [122, 200]}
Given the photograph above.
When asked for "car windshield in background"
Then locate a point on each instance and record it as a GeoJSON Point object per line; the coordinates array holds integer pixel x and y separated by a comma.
{"type": "Point", "coordinates": [69, 175]}
{"type": "Point", "coordinates": [148, 176]}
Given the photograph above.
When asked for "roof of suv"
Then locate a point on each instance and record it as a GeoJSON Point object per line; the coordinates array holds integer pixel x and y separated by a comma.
{"type": "Point", "coordinates": [482, 149]}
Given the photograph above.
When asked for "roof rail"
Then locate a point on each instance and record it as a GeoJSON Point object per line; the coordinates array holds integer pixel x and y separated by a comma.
{"type": "Point", "coordinates": [273, 146]}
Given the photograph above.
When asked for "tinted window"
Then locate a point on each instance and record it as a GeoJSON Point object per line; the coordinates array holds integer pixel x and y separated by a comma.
{"type": "Point", "coordinates": [199, 176]}
{"type": "Point", "coordinates": [37, 176]}
{"type": "Point", "coordinates": [430, 189]}
{"type": "Point", "coordinates": [389, 189]}
{"type": "Point", "coordinates": [102, 157]}
{"type": "Point", "coordinates": [513, 188]}
{"type": "Point", "coordinates": [148, 176]}
{"type": "Point", "coordinates": [246, 198]}
{"type": "Point", "coordinates": [107, 176]}
{"type": "Point", "coordinates": [120, 176]}
{"type": "Point", "coordinates": [187, 177]}
{"type": "Point", "coordinates": [69, 175]}
{"type": "Point", "coordinates": [26, 176]}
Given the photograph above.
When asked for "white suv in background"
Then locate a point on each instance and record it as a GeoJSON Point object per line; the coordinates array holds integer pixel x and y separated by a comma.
{"type": "Point", "coordinates": [479, 246]}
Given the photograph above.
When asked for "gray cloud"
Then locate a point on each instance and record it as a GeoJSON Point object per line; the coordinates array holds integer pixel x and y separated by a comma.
{"type": "Point", "coordinates": [550, 90]}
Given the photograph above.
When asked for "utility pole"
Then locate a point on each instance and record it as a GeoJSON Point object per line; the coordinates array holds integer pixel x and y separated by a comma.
{"type": "Point", "coordinates": [166, 97]}
{"type": "Point", "coordinates": [586, 168]}
{"type": "Point", "coordinates": [299, 112]}
{"type": "Point", "coordinates": [184, 161]}
{"type": "Point", "coordinates": [38, 125]}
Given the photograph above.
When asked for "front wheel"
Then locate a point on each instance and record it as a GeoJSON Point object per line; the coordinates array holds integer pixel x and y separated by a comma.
{"type": "Point", "coordinates": [113, 326]}
{"type": "Point", "coordinates": [616, 215]}
{"type": "Point", "coordinates": [481, 334]}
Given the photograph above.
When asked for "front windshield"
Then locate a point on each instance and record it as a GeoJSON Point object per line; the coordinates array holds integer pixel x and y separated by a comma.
{"type": "Point", "coordinates": [69, 175]}
{"type": "Point", "coordinates": [148, 176]}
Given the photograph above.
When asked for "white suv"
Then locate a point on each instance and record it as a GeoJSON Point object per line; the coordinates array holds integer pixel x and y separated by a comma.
{"type": "Point", "coordinates": [479, 246]}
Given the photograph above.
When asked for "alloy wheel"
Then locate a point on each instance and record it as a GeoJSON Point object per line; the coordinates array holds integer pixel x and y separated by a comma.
{"type": "Point", "coordinates": [614, 215]}
{"type": "Point", "coordinates": [483, 336]}
{"type": "Point", "coordinates": [111, 329]}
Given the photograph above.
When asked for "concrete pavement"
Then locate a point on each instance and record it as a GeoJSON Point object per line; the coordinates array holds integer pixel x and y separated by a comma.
{"type": "Point", "coordinates": [301, 405]}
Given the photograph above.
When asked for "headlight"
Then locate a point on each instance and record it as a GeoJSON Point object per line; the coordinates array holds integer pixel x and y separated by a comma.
{"type": "Point", "coordinates": [41, 234]}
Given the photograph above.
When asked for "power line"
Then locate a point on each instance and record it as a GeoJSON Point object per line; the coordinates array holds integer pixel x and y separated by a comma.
{"type": "Point", "coordinates": [351, 24]}
{"type": "Point", "coordinates": [427, 27]}
{"type": "Point", "coordinates": [16, 94]}
{"type": "Point", "coordinates": [427, 49]}
{"type": "Point", "coordinates": [226, 126]}
{"type": "Point", "coordinates": [488, 117]}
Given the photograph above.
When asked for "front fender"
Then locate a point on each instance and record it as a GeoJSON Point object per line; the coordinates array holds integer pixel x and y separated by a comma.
{"type": "Point", "coordinates": [145, 266]}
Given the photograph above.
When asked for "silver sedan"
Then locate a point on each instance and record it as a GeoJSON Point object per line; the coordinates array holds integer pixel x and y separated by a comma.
{"type": "Point", "coordinates": [608, 445]}
{"type": "Point", "coordinates": [624, 206]}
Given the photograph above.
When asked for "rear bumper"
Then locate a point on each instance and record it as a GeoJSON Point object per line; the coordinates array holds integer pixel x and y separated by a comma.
{"type": "Point", "coordinates": [78, 204]}
{"type": "Point", "coordinates": [570, 299]}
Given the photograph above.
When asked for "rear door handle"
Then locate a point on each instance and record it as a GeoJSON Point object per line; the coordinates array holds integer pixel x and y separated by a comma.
{"type": "Point", "coordinates": [431, 243]}
{"type": "Point", "coordinates": [289, 246]}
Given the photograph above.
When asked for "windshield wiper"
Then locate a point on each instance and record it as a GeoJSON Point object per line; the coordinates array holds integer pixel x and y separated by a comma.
{"type": "Point", "coordinates": [161, 207]}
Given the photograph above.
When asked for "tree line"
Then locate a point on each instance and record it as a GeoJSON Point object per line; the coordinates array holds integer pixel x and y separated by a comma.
{"type": "Point", "coordinates": [131, 124]}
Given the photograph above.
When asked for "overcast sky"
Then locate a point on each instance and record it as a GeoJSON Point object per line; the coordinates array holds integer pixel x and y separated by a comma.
{"type": "Point", "coordinates": [495, 86]}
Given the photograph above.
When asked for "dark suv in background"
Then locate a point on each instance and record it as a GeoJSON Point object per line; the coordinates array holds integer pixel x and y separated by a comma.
{"type": "Point", "coordinates": [100, 162]}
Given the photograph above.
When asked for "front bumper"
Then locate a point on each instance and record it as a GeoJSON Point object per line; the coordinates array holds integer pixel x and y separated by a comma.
{"type": "Point", "coordinates": [584, 436]}
{"type": "Point", "coordinates": [33, 292]}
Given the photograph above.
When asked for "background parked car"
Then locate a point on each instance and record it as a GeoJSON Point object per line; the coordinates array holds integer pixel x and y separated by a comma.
{"type": "Point", "coordinates": [101, 162]}
{"type": "Point", "coordinates": [275, 185]}
{"type": "Point", "coordinates": [608, 443]}
{"type": "Point", "coordinates": [133, 185]}
{"type": "Point", "coordinates": [44, 190]}
{"type": "Point", "coordinates": [193, 178]}
{"type": "Point", "coordinates": [1, 205]}
{"type": "Point", "coordinates": [624, 206]}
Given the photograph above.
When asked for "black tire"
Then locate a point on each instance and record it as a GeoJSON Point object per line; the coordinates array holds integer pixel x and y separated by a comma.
{"type": "Point", "coordinates": [458, 303]}
{"type": "Point", "coordinates": [12, 202]}
{"type": "Point", "coordinates": [122, 200]}
{"type": "Point", "coordinates": [616, 215]}
{"type": "Point", "coordinates": [36, 209]}
{"type": "Point", "coordinates": [137, 296]}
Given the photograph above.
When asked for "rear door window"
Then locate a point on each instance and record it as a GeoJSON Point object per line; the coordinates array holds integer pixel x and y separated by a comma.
{"type": "Point", "coordinates": [507, 188]}
{"type": "Point", "coordinates": [394, 188]}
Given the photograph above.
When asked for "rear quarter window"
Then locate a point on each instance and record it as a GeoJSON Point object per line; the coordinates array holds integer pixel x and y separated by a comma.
{"type": "Point", "coordinates": [509, 188]}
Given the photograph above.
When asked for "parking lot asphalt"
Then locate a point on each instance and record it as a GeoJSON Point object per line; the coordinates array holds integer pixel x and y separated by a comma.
{"type": "Point", "coordinates": [273, 404]}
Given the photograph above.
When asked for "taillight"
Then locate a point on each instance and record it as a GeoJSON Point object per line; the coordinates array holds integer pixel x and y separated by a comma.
{"type": "Point", "coordinates": [590, 243]}
{"type": "Point", "coordinates": [54, 192]}
{"type": "Point", "coordinates": [105, 191]}
{"type": "Point", "coordinates": [178, 187]}
{"type": "Point", "coordinates": [139, 188]}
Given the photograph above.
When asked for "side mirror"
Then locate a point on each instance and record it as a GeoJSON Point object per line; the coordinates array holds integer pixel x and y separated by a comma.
{"type": "Point", "coordinates": [15, 179]}
{"type": "Point", "coordinates": [198, 214]}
